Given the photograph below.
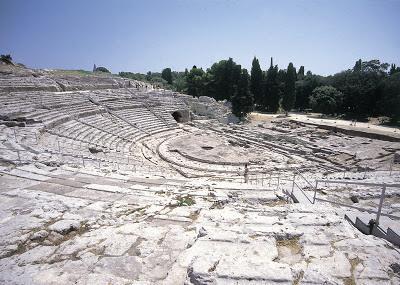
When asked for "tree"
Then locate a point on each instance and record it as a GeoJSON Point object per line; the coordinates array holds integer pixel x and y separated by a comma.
{"type": "Point", "coordinates": [102, 69]}
{"type": "Point", "coordinates": [221, 79]}
{"type": "Point", "coordinates": [300, 73]}
{"type": "Point", "coordinates": [304, 89]}
{"type": "Point", "coordinates": [289, 95]}
{"type": "Point", "coordinates": [180, 84]}
{"type": "Point", "coordinates": [391, 98]}
{"type": "Point", "coordinates": [272, 91]}
{"type": "Point", "coordinates": [194, 81]}
{"type": "Point", "coordinates": [166, 74]}
{"type": "Point", "coordinates": [374, 65]}
{"type": "Point", "coordinates": [148, 76]}
{"type": "Point", "coordinates": [281, 80]}
{"type": "Point", "coordinates": [393, 69]}
{"type": "Point", "coordinates": [357, 66]}
{"type": "Point", "coordinates": [326, 99]}
{"type": "Point", "coordinates": [256, 81]}
{"type": "Point", "coordinates": [361, 87]}
{"type": "Point", "coordinates": [6, 58]}
{"type": "Point", "coordinates": [242, 100]}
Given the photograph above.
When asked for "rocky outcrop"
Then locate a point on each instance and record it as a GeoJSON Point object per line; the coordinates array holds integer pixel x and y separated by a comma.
{"type": "Point", "coordinates": [205, 107]}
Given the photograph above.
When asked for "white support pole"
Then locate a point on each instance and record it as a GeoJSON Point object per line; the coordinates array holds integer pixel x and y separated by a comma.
{"type": "Point", "coordinates": [294, 178]}
{"type": "Point", "coordinates": [279, 173]}
{"type": "Point", "coordinates": [391, 166]}
{"type": "Point", "coordinates": [378, 214]}
{"type": "Point", "coordinates": [19, 157]}
{"type": "Point", "coordinates": [315, 191]}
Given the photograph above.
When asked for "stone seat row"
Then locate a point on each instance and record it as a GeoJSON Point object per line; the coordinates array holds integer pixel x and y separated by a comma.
{"type": "Point", "coordinates": [14, 83]}
{"type": "Point", "coordinates": [142, 118]}
{"type": "Point", "coordinates": [122, 104]}
{"type": "Point", "coordinates": [112, 125]}
{"type": "Point", "coordinates": [90, 137]}
{"type": "Point", "coordinates": [107, 139]}
{"type": "Point", "coordinates": [104, 132]}
{"type": "Point", "coordinates": [66, 110]}
{"type": "Point", "coordinates": [139, 119]}
{"type": "Point", "coordinates": [19, 104]}
{"type": "Point", "coordinates": [70, 151]}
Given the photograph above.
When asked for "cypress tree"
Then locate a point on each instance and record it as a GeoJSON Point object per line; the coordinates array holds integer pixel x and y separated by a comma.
{"type": "Point", "coordinates": [393, 69]}
{"type": "Point", "coordinates": [256, 81]}
{"type": "Point", "coordinates": [242, 99]}
{"type": "Point", "coordinates": [271, 89]}
{"type": "Point", "coordinates": [289, 95]}
{"type": "Point", "coordinates": [300, 73]}
{"type": "Point", "coordinates": [357, 67]}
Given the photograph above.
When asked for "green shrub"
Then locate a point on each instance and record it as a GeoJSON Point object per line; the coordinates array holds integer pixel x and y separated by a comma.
{"type": "Point", "coordinates": [326, 99]}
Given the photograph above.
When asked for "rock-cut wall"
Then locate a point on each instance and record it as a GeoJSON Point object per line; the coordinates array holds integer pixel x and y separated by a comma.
{"type": "Point", "coordinates": [204, 107]}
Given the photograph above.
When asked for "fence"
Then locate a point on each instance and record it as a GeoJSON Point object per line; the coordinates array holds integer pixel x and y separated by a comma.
{"type": "Point", "coordinates": [382, 197]}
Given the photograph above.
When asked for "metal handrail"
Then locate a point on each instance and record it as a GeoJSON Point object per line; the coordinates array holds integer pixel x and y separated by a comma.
{"type": "Point", "coordinates": [357, 183]}
{"type": "Point", "coordinates": [301, 175]}
{"type": "Point", "coordinates": [381, 200]}
{"type": "Point", "coordinates": [302, 191]}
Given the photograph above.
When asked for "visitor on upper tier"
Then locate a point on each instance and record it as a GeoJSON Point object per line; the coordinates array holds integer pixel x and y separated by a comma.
{"type": "Point", "coordinates": [246, 174]}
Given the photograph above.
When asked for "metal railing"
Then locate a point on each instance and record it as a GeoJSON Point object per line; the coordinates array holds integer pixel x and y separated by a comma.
{"type": "Point", "coordinates": [295, 184]}
{"type": "Point", "coordinates": [378, 212]}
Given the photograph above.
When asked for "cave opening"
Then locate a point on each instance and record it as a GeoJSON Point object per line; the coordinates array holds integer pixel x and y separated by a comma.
{"type": "Point", "coordinates": [177, 116]}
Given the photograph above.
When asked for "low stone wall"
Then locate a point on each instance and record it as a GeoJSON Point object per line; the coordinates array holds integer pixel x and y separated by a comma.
{"type": "Point", "coordinates": [372, 134]}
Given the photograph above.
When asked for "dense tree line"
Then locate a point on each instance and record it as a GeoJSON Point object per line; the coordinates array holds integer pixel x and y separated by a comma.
{"type": "Point", "coordinates": [166, 79]}
{"type": "Point", "coordinates": [370, 88]}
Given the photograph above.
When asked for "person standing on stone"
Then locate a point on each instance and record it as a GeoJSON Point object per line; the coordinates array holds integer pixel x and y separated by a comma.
{"type": "Point", "coordinates": [246, 174]}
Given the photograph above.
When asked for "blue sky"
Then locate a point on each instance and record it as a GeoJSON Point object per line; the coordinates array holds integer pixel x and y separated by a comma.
{"type": "Point", "coordinates": [324, 36]}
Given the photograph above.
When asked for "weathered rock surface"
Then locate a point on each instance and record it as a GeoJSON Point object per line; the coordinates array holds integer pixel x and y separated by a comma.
{"type": "Point", "coordinates": [141, 213]}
